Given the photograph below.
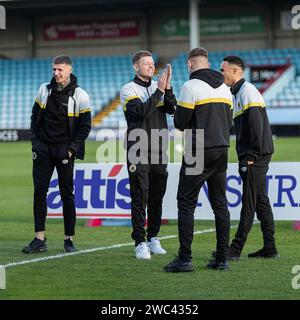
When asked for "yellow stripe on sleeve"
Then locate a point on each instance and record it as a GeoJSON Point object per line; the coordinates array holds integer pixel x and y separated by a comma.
{"type": "Point", "coordinates": [73, 114]}
{"type": "Point", "coordinates": [40, 104]}
{"type": "Point", "coordinates": [127, 100]}
{"type": "Point", "coordinates": [130, 98]}
{"type": "Point", "coordinates": [238, 113]}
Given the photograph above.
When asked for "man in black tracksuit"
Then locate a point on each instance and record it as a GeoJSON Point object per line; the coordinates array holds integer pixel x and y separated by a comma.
{"type": "Point", "coordinates": [60, 124]}
{"type": "Point", "coordinates": [205, 103]}
{"type": "Point", "coordinates": [254, 146]}
{"type": "Point", "coordinates": [145, 103]}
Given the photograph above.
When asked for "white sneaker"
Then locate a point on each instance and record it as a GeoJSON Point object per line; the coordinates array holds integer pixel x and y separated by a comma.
{"type": "Point", "coordinates": [155, 246]}
{"type": "Point", "coordinates": [142, 251]}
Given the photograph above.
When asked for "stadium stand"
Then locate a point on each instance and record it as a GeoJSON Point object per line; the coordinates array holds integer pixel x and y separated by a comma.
{"type": "Point", "coordinates": [253, 57]}
{"type": "Point", "coordinates": [102, 78]}
{"type": "Point", "coordinates": [287, 98]}
{"type": "Point", "coordinates": [290, 96]}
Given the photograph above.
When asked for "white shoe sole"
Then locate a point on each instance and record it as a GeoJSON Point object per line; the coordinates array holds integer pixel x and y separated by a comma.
{"type": "Point", "coordinates": [161, 253]}
{"type": "Point", "coordinates": [143, 258]}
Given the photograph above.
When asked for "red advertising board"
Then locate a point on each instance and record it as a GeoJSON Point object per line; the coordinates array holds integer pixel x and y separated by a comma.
{"type": "Point", "coordinates": [91, 30]}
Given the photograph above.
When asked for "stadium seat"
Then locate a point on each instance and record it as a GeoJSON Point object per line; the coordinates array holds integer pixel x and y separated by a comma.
{"type": "Point", "coordinates": [102, 78]}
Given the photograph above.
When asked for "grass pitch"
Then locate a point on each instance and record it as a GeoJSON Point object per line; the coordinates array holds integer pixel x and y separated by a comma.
{"type": "Point", "coordinates": [115, 273]}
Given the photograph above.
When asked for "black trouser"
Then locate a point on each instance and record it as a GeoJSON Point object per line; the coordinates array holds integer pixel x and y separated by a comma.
{"type": "Point", "coordinates": [214, 173]}
{"type": "Point", "coordinates": [255, 199]}
{"type": "Point", "coordinates": [45, 158]}
{"type": "Point", "coordinates": [147, 188]}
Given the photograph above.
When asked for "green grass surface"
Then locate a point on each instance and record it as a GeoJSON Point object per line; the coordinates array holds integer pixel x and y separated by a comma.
{"type": "Point", "coordinates": [286, 149]}
{"type": "Point", "coordinates": [115, 273]}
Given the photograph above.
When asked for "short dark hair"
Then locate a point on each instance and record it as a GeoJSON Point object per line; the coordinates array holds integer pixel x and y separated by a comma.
{"type": "Point", "coordinates": [198, 52]}
{"type": "Point", "coordinates": [235, 60]}
{"type": "Point", "coordinates": [62, 59]}
{"type": "Point", "coordinates": [140, 54]}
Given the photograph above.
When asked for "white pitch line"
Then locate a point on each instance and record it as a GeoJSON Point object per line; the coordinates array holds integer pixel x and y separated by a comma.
{"type": "Point", "coordinates": [114, 246]}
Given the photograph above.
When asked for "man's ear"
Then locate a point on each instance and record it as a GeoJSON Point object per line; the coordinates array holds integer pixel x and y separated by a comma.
{"type": "Point", "coordinates": [69, 68]}
{"type": "Point", "coordinates": [135, 67]}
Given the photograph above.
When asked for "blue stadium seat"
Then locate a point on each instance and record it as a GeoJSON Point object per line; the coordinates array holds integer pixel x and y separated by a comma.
{"type": "Point", "coordinates": [263, 56]}
{"type": "Point", "coordinates": [102, 78]}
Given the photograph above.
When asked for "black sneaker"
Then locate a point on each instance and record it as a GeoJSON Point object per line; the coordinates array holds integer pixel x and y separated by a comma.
{"type": "Point", "coordinates": [231, 256]}
{"type": "Point", "coordinates": [178, 265]}
{"type": "Point", "coordinates": [218, 265]}
{"type": "Point", "coordinates": [264, 253]}
{"type": "Point", "coordinates": [36, 245]}
{"type": "Point", "coordinates": [69, 246]}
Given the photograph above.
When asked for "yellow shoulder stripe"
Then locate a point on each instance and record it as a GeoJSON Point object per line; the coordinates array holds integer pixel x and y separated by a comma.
{"type": "Point", "coordinates": [85, 110]}
{"type": "Point", "coordinates": [186, 105]}
{"type": "Point", "coordinates": [253, 104]}
{"type": "Point", "coordinates": [214, 100]}
{"type": "Point", "coordinates": [247, 106]}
